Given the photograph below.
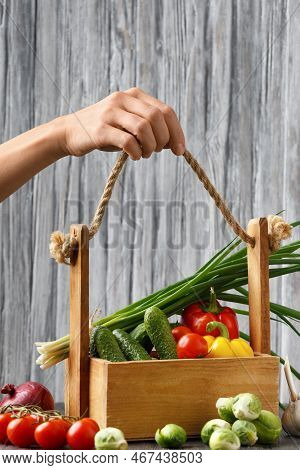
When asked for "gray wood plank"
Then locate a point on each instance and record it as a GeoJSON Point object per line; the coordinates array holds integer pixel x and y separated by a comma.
{"type": "Point", "coordinates": [230, 69]}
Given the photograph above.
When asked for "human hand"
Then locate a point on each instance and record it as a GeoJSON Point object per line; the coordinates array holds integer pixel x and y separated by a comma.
{"type": "Point", "coordinates": [132, 121]}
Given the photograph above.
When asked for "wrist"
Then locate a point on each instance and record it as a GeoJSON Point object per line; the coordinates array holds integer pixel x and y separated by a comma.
{"type": "Point", "coordinates": [58, 133]}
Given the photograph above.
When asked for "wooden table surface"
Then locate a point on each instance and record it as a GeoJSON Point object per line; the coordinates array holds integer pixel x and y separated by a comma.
{"type": "Point", "coordinates": [285, 442]}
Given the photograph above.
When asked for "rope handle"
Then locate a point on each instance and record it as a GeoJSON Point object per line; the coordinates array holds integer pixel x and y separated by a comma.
{"type": "Point", "coordinates": [61, 245]}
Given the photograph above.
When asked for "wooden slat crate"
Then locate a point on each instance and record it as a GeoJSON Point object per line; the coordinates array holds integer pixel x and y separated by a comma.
{"type": "Point", "coordinates": [139, 397]}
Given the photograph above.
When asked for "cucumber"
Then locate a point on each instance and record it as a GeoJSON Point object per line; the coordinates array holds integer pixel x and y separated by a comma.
{"type": "Point", "coordinates": [106, 345]}
{"type": "Point", "coordinates": [93, 349]}
{"type": "Point", "coordinates": [130, 347]}
{"type": "Point", "coordinates": [140, 334]}
{"type": "Point", "coordinates": [159, 331]}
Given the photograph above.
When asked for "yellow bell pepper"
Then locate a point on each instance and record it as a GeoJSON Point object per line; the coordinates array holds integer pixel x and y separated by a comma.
{"type": "Point", "coordinates": [223, 347]}
{"type": "Point", "coordinates": [209, 339]}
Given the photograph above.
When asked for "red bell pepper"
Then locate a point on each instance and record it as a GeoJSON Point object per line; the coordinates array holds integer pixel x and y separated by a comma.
{"type": "Point", "coordinates": [229, 318]}
{"type": "Point", "coordinates": [225, 315]}
{"type": "Point", "coordinates": [196, 316]}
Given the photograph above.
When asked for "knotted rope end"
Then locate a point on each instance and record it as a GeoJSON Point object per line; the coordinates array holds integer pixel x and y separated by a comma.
{"type": "Point", "coordinates": [61, 247]}
{"type": "Point", "coordinates": [278, 230]}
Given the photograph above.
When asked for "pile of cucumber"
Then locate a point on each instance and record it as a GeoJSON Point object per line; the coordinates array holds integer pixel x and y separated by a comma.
{"type": "Point", "coordinates": [120, 346]}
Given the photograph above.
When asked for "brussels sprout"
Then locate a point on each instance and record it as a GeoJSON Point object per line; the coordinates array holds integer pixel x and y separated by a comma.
{"type": "Point", "coordinates": [110, 439]}
{"type": "Point", "coordinates": [224, 439]}
{"type": "Point", "coordinates": [268, 427]}
{"type": "Point", "coordinates": [224, 406]}
{"type": "Point", "coordinates": [246, 432]}
{"type": "Point", "coordinates": [246, 406]}
{"type": "Point", "coordinates": [171, 436]}
{"type": "Point", "coordinates": [211, 426]}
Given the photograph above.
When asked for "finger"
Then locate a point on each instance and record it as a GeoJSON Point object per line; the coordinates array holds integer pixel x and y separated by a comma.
{"type": "Point", "coordinates": [139, 127]}
{"type": "Point", "coordinates": [177, 139]}
{"type": "Point", "coordinates": [152, 114]}
{"type": "Point", "coordinates": [123, 140]}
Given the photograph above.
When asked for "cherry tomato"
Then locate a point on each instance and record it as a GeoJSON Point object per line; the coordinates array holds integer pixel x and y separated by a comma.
{"type": "Point", "coordinates": [81, 434]}
{"type": "Point", "coordinates": [180, 331]}
{"type": "Point", "coordinates": [52, 434]}
{"type": "Point", "coordinates": [20, 431]}
{"type": "Point", "coordinates": [67, 424]}
{"type": "Point", "coordinates": [5, 419]}
{"type": "Point", "coordinates": [191, 346]}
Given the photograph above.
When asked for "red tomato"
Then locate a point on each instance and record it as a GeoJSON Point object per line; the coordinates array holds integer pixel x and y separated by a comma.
{"type": "Point", "coordinates": [67, 424]}
{"type": "Point", "coordinates": [81, 434]}
{"type": "Point", "coordinates": [191, 346]}
{"type": "Point", "coordinates": [52, 434]}
{"type": "Point", "coordinates": [180, 331]}
{"type": "Point", "coordinates": [5, 419]}
{"type": "Point", "coordinates": [20, 431]}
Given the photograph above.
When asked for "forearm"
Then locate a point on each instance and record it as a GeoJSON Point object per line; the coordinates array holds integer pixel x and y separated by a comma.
{"type": "Point", "coordinates": [27, 154]}
{"type": "Point", "coordinates": [132, 121]}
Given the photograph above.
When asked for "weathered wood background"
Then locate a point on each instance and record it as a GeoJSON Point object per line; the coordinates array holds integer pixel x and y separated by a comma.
{"type": "Point", "coordinates": [230, 69]}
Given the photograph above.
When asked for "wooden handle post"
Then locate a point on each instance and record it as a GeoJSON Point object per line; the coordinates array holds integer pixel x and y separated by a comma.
{"type": "Point", "coordinates": [77, 365]}
{"type": "Point", "coordinates": [258, 282]}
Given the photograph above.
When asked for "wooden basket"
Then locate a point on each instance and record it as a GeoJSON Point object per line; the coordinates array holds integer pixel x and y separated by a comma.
{"type": "Point", "coordinates": [139, 397]}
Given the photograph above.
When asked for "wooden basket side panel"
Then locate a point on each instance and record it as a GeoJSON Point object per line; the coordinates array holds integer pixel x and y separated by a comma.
{"type": "Point", "coordinates": [66, 387]}
{"type": "Point", "coordinates": [77, 397]}
{"type": "Point", "coordinates": [258, 286]}
{"type": "Point", "coordinates": [142, 397]}
{"type": "Point", "coordinates": [98, 393]}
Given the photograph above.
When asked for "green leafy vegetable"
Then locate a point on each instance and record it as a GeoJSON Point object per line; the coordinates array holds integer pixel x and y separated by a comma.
{"type": "Point", "coordinates": [211, 426]}
{"type": "Point", "coordinates": [110, 439]}
{"type": "Point", "coordinates": [246, 406]}
{"type": "Point", "coordinates": [268, 427]}
{"type": "Point", "coordinates": [224, 407]}
{"type": "Point", "coordinates": [171, 436]}
{"type": "Point", "coordinates": [246, 431]}
{"type": "Point", "coordinates": [224, 439]}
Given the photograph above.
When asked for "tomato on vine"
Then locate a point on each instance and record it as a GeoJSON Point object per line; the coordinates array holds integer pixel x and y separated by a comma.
{"type": "Point", "coordinates": [81, 434]}
{"type": "Point", "coordinates": [20, 431]}
{"type": "Point", "coordinates": [5, 419]}
{"type": "Point", "coordinates": [52, 434]}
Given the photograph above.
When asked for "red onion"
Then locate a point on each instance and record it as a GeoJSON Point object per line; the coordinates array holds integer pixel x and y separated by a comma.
{"type": "Point", "coordinates": [29, 393]}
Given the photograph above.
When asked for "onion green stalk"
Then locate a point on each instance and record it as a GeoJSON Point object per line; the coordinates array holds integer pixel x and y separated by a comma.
{"type": "Point", "coordinates": [226, 272]}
